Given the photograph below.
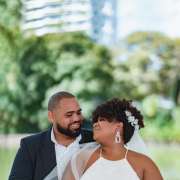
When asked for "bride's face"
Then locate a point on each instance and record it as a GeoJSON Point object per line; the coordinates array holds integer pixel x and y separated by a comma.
{"type": "Point", "coordinates": [103, 130]}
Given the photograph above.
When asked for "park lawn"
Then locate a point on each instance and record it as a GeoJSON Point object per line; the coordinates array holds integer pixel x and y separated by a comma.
{"type": "Point", "coordinates": [167, 157]}
{"type": "Point", "coordinates": [6, 158]}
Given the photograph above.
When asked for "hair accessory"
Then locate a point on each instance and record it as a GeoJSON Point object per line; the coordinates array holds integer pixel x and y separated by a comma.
{"type": "Point", "coordinates": [132, 119]}
{"type": "Point", "coordinates": [133, 104]}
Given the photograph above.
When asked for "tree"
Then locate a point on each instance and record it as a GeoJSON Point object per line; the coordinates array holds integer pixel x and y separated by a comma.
{"type": "Point", "coordinates": [33, 66]}
{"type": "Point", "coordinates": [149, 62]}
{"type": "Point", "coordinates": [67, 61]}
{"type": "Point", "coordinates": [9, 69]}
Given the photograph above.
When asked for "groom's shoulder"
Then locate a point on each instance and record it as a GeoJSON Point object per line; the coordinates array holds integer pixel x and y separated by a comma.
{"type": "Point", "coordinates": [36, 138]}
{"type": "Point", "coordinates": [87, 136]}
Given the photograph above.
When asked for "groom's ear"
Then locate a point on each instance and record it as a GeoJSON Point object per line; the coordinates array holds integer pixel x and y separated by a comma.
{"type": "Point", "coordinates": [50, 116]}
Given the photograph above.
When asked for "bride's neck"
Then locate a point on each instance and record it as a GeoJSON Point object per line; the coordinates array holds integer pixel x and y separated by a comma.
{"type": "Point", "coordinates": [116, 151]}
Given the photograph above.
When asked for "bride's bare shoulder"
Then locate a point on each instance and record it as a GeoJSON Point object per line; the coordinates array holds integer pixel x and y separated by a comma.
{"type": "Point", "coordinates": [139, 157]}
{"type": "Point", "coordinates": [145, 165]}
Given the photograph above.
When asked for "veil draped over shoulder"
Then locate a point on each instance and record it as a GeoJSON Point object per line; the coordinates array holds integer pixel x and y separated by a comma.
{"type": "Point", "coordinates": [77, 164]}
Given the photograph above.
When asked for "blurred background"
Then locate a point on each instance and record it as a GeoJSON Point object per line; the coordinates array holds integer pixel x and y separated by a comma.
{"type": "Point", "coordinates": [96, 49]}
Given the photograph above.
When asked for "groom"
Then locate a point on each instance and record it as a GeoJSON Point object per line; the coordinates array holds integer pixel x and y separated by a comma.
{"type": "Point", "coordinates": [46, 154]}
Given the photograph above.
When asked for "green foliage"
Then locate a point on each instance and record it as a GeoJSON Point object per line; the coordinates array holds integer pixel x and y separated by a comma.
{"type": "Point", "coordinates": [10, 13]}
{"type": "Point", "coordinates": [167, 132]}
{"type": "Point", "coordinates": [150, 106]}
{"type": "Point", "coordinates": [150, 63]}
{"type": "Point", "coordinates": [45, 64]}
{"type": "Point", "coordinates": [145, 68]}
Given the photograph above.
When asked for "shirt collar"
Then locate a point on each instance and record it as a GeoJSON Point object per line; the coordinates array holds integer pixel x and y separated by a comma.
{"type": "Point", "coordinates": [53, 139]}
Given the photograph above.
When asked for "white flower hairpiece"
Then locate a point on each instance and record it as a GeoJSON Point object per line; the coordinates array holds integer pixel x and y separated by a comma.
{"type": "Point", "coordinates": [133, 104]}
{"type": "Point", "coordinates": [132, 120]}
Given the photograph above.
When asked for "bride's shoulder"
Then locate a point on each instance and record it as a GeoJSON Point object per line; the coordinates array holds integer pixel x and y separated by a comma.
{"type": "Point", "coordinates": [140, 158]}
{"type": "Point", "coordinates": [138, 155]}
{"type": "Point", "coordinates": [146, 164]}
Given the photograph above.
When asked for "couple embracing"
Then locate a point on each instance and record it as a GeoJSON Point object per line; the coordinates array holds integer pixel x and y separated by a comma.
{"type": "Point", "coordinates": [66, 151]}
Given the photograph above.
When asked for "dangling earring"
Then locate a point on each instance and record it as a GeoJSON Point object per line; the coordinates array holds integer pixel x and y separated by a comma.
{"type": "Point", "coordinates": [118, 137]}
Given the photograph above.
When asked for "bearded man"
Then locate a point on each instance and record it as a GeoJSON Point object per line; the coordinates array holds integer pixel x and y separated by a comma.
{"type": "Point", "coordinates": [45, 155]}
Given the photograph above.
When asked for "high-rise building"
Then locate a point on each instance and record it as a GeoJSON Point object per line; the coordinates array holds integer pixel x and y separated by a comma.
{"type": "Point", "coordinates": [53, 16]}
{"type": "Point", "coordinates": [104, 21]}
{"type": "Point", "coordinates": [95, 17]}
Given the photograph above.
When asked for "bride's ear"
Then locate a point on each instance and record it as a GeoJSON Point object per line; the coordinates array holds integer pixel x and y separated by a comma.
{"type": "Point", "coordinates": [119, 126]}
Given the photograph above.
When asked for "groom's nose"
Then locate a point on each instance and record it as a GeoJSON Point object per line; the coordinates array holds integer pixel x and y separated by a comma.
{"type": "Point", "coordinates": [77, 117]}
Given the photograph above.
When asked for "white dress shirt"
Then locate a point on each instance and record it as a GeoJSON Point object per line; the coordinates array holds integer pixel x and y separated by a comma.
{"type": "Point", "coordinates": [63, 153]}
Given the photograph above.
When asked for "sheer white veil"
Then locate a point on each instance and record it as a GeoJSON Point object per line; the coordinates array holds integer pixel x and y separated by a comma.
{"type": "Point", "coordinates": [77, 165]}
{"type": "Point", "coordinates": [137, 144]}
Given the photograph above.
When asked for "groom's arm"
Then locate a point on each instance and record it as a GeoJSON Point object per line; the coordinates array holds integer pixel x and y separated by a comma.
{"type": "Point", "coordinates": [22, 168]}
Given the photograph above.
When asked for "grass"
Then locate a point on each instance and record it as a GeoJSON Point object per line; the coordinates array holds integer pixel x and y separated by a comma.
{"type": "Point", "coordinates": [6, 159]}
{"type": "Point", "coordinates": [167, 157]}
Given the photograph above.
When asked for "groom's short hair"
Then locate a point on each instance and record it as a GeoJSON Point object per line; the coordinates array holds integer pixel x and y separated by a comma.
{"type": "Point", "coordinates": [55, 98]}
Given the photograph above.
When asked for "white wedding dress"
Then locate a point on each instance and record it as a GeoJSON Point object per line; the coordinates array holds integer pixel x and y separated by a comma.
{"type": "Point", "coordinates": [104, 169]}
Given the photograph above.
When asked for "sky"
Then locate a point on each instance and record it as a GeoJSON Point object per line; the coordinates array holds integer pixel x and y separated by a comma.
{"type": "Point", "coordinates": [149, 15]}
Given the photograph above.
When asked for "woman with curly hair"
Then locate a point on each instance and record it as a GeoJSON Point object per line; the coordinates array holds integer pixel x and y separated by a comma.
{"type": "Point", "coordinates": [118, 151]}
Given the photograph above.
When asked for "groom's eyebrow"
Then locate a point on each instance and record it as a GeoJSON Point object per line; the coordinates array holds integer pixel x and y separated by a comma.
{"type": "Point", "coordinates": [71, 112]}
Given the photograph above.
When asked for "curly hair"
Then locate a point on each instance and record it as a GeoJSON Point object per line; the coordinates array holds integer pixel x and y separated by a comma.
{"type": "Point", "coordinates": [114, 110]}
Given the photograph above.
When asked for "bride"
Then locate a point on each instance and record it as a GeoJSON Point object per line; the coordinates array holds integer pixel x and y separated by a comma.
{"type": "Point", "coordinates": [115, 128]}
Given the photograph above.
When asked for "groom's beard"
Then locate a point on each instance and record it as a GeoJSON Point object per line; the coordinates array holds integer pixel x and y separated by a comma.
{"type": "Point", "coordinates": [68, 132]}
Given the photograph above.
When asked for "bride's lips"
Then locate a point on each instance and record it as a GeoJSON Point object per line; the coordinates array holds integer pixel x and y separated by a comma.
{"type": "Point", "coordinates": [95, 128]}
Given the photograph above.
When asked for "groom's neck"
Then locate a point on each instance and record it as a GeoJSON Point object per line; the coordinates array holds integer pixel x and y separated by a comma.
{"type": "Point", "coordinates": [63, 139]}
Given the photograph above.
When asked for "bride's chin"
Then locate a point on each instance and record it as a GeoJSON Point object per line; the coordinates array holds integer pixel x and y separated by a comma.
{"type": "Point", "coordinates": [95, 137]}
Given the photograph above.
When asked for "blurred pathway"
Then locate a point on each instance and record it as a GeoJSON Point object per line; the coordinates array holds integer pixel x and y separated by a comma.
{"type": "Point", "coordinates": [11, 140]}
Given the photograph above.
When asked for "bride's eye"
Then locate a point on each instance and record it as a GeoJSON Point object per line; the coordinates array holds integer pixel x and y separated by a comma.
{"type": "Point", "coordinates": [95, 121]}
{"type": "Point", "coordinates": [101, 119]}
